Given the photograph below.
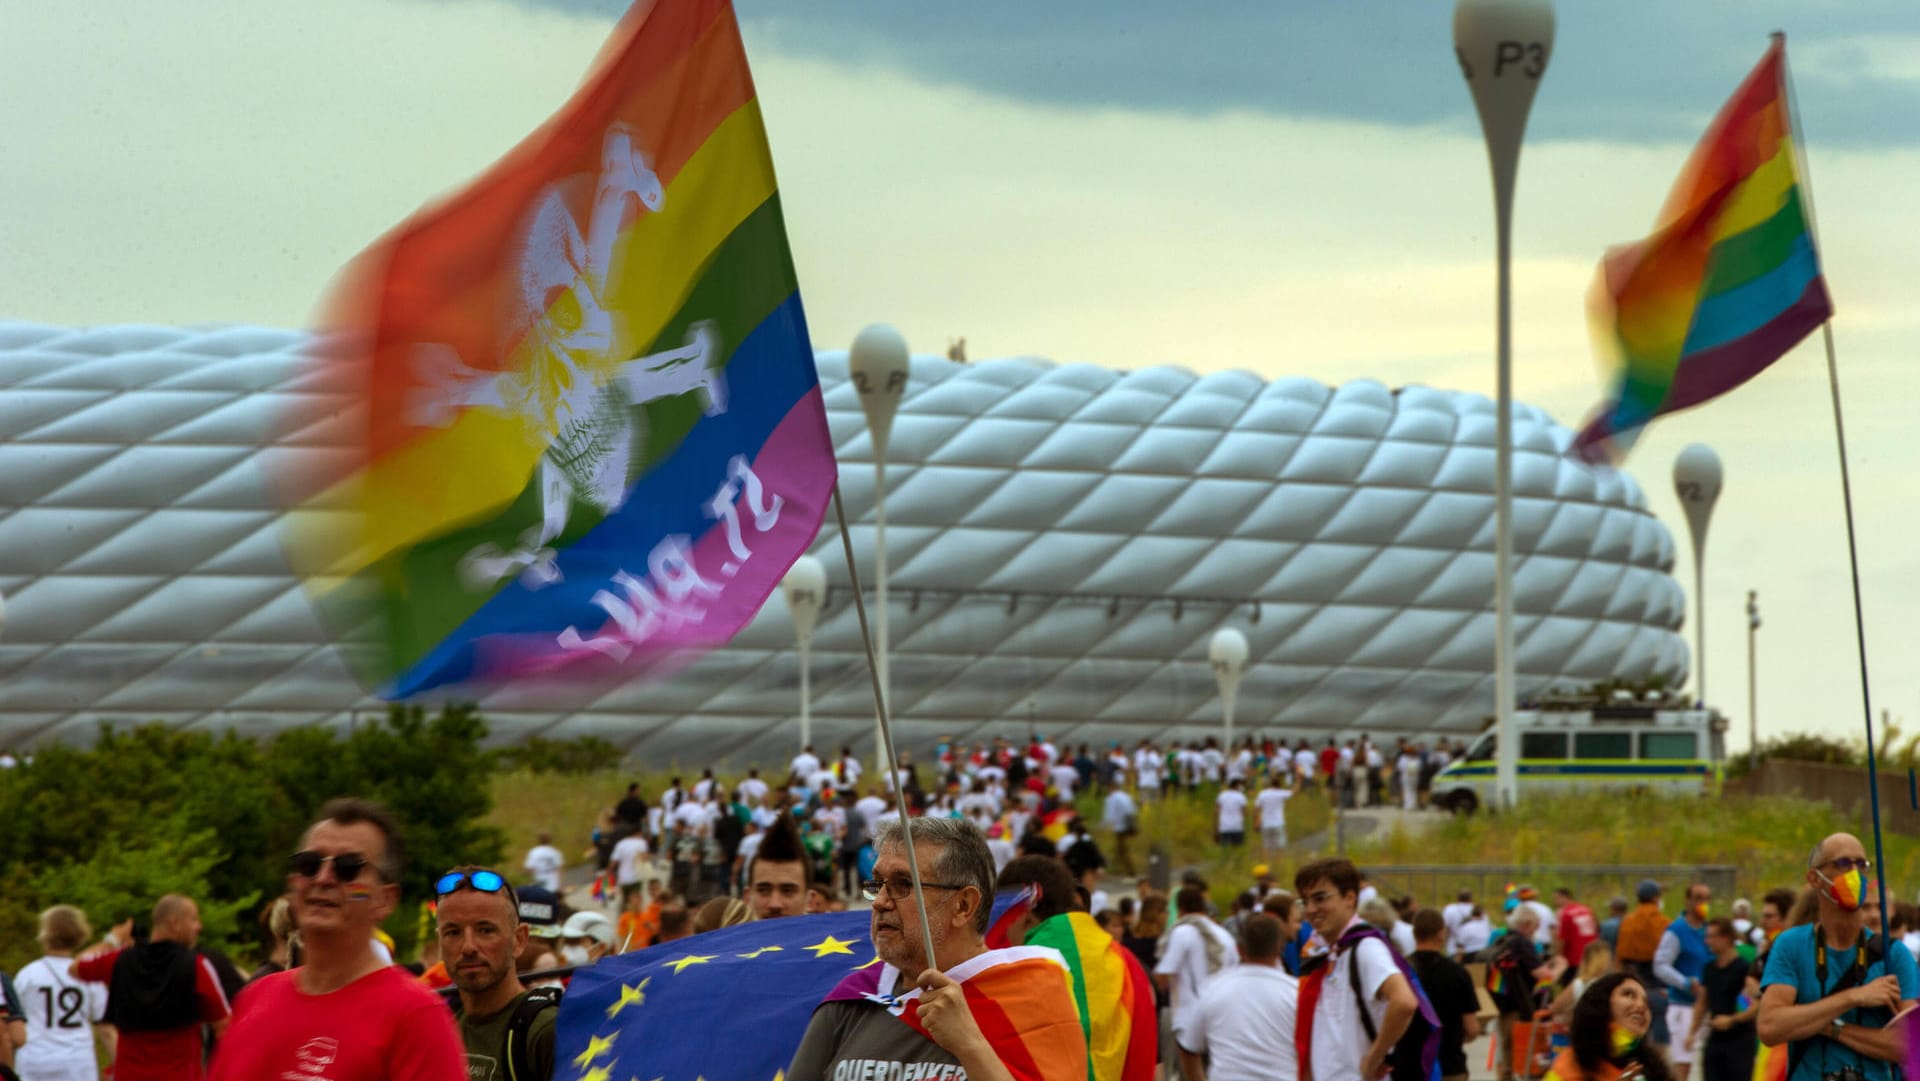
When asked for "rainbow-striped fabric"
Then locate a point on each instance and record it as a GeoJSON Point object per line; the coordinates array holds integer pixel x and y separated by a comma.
{"type": "Point", "coordinates": [587, 424]}
{"type": "Point", "coordinates": [1728, 281]}
{"type": "Point", "coordinates": [1112, 994]}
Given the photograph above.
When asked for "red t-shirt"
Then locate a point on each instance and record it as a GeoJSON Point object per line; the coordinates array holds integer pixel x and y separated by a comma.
{"type": "Point", "coordinates": [381, 1027]}
{"type": "Point", "coordinates": [168, 1054]}
{"type": "Point", "coordinates": [1578, 930]}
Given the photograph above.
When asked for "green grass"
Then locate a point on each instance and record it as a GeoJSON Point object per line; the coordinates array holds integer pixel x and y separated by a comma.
{"type": "Point", "coordinates": [565, 805]}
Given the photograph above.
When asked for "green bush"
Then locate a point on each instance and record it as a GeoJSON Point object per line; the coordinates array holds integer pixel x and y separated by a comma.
{"type": "Point", "coordinates": [152, 811]}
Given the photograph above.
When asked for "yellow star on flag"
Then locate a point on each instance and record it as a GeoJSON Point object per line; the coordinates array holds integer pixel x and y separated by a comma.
{"type": "Point", "coordinates": [831, 944]}
{"type": "Point", "coordinates": [598, 1073]}
{"type": "Point", "coordinates": [595, 1048]}
{"type": "Point", "coordinates": [690, 959]}
{"type": "Point", "coordinates": [761, 950]}
{"type": "Point", "coordinates": [869, 964]}
{"type": "Point", "coordinates": [629, 996]}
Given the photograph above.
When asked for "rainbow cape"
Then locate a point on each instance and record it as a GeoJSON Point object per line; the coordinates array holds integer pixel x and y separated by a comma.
{"type": "Point", "coordinates": [574, 413]}
{"type": "Point", "coordinates": [1020, 996]}
{"type": "Point", "coordinates": [1728, 281]}
{"type": "Point", "coordinates": [1111, 992]}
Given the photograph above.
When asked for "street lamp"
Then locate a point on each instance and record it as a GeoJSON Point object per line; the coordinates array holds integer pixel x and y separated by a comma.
{"type": "Point", "coordinates": [1228, 653]}
{"type": "Point", "coordinates": [805, 588]}
{"type": "Point", "coordinates": [1753, 684]}
{"type": "Point", "coordinates": [1696, 481]}
{"type": "Point", "coordinates": [878, 362]}
{"type": "Point", "coordinates": [1503, 46]}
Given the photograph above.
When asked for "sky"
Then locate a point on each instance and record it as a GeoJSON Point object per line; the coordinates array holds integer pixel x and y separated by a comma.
{"type": "Point", "coordinates": [1290, 188]}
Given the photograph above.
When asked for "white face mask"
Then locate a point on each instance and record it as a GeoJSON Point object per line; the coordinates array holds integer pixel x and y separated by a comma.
{"type": "Point", "coordinates": [574, 955]}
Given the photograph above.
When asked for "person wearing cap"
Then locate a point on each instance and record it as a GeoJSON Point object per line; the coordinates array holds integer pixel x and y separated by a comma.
{"type": "Point", "coordinates": [508, 1030]}
{"type": "Point", "coordinates": [539, 912]}
{"type": "Point", "coordinates": [1640, 934]}
{"type": "Point", "coordinates": [586, 938]}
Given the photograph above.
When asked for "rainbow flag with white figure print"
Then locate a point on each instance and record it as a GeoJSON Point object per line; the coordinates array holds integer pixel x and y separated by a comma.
{"type": "Point", "coordinates": [580, 419]}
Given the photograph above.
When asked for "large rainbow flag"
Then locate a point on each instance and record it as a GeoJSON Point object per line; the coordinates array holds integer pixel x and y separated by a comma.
{"type": "Point", "coordinates": [1112, 994]}
{"type": "Point", "coordinates": [592, 428]}
{"type": "Point", "coordinates": [1728, 281]}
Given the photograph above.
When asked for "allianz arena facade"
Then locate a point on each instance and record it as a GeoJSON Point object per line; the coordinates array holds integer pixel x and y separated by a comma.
{"type": "Point", "coordinates": [1064, 540]}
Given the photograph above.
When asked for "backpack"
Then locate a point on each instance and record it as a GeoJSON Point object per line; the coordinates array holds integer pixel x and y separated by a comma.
{"type": "Point", "coordinates": [519, 1049]}
{"type": "Point", "coordinates": [1509, 985]}
{"type": "Point", "coordinates": [1415, 1055]}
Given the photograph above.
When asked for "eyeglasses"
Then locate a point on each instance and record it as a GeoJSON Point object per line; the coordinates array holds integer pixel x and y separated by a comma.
{"type": "Point", "coordinates": [481, 881]}
{"type": "Point", "coordinates": [1321, 898]}
{"type": "Point", "coordinates": [1848, 863]}
{"type": "Point", "coordinates": [346, 866]}
{"type": "Point", "coordinates": [900, 887]}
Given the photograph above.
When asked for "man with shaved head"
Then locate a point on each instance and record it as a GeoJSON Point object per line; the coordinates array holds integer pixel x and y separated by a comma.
{"type": "Point", "coordinates": [1832, 985]}
{"type": "Point", "coordinates": [159, 993]}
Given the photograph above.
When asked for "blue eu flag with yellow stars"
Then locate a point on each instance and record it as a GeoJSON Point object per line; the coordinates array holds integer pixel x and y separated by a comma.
{"type": "Point", "coordinates": [728, 1005]}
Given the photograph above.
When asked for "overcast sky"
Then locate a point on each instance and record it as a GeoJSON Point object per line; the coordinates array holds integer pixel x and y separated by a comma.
{"type": "Point", "coordinates": [1295, 189]}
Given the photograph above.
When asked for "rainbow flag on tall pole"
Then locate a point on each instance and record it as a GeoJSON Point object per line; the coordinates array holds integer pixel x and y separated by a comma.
{"type": "Point", "coordinates": [589, 426]}
{"type": "Point", "coordinates": [1729, 280]}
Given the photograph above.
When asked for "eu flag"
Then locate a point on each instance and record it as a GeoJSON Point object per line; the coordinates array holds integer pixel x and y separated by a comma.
{"type": "Point", "coordinates": [729, 1005]}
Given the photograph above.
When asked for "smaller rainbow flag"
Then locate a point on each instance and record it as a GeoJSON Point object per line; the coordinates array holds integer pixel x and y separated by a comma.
{"type": "Point", "coordinates": [1112, 994]}
{"type": "Point", "coordinates": [1017, 995]}
{"type": "Point", "coordinates": [1727, 283]}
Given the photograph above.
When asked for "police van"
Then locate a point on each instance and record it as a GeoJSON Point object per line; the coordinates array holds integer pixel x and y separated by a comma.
{"type": "Point", "coordinates": [1624, 743]}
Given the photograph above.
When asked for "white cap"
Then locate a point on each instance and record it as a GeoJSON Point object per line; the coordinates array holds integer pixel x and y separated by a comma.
{"type": "Point", "coordinates": [589, 925]}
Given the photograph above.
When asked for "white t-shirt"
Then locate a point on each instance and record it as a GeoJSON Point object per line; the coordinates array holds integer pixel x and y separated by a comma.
{"type": "Point", "coordinates": [1003, 852]}
{"type": "Point", "coordinates": [754, 791]}
{"type": "Point", "coordinates": [1210, 762]}
{"type": "Point", "coordinates": [544, 863]}
{"type": "Point", "coordinates": [749, 845]}
{"type": "Point", "coordinates": [1147, 765]}
{"type": "Point", "coordinates": [831, 819]}
{"type": "Point", "coordinates": [1272, 804]}
{"type": "Point", "coordinates": [1240, 764]}
{"type": "Point", "coordinates": [1402, 937]}
{"type": "Point", "coordinates": [804, 765]}
{"type": "Point", "coordinates": [1409, 764]}
{"type": "Point", "coordinates": [1245, 1022]}
{"type": "Point", "coordinates": [1339, 1039]}
{"type": "Point", "coordinates": [1304, 762]}
{"type": "Point", "coordinates": [871, 808]}
{"type": "Point", "coordinates": [850, 771]}
{"type": "Point", "coordinates": [1065, 778]}
{"type": "Point", "coordinates": [61, 1012]}
{"type": "Point", "coordinates": [1472, 935]}
{"type": "Point", "coordinates": [1233, 811]}
{"type": "Point", "coordinates": [627, 858]}
{"type": "Point", "coordinates": [1455, 913]}
{"type": "Point", "coordinates": [1185, 960]}
{"type": "Point", "coordinates": [703, 788]}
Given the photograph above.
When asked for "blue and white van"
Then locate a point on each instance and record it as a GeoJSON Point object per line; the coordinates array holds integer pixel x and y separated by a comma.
{"type": "Point", "coordinates": [1634, 748]}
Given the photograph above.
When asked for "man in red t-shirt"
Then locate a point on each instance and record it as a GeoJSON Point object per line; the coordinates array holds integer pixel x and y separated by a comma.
{"type": "Point", "coordinates": [1575, 926]}
{"type": "Point", "coordinates": [159, 993]}
{"type": "Point", "coordinates": [345, 1014]}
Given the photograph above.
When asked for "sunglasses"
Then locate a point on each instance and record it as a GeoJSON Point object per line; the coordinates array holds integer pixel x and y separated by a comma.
{"type": "Point", "coordinates": [346, 866]}
{"type": "Point", "coordinates": [1846, 863]}
{"type": "Point", "coordinates": [481, 881]}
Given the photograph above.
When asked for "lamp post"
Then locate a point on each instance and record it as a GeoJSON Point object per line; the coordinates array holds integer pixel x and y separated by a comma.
{"type": "Point", "coordinates": [1228, 654]}
{"type": "Point", "coordinates": [1696, 481]}
{"type": "Point", "coordinates": [1753, 683]}
{"type": "Point", "coordinates": [805, 588]}
{"type": "Point", "coordinates": [878, 362]}
{"type": "Point", "coordinates": [1503, 46]}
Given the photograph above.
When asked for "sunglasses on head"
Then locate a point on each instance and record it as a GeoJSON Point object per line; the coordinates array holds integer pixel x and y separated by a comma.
{"type": "Point", "coordinates": [482, 881]}
{"type": "Point", "coordinates": [346, 866]}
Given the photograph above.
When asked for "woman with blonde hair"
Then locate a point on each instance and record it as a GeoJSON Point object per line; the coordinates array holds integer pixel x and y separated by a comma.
{"type": "Point", "coordinates": [721, 912]}
{"type": "Point", "coordinates": [61, 1011]}
{"type": "Point", "coordinates": [1595, 963]}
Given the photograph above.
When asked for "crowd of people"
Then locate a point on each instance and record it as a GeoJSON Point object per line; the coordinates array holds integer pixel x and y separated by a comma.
{"type": "Point", "coordinates": [1332, 979]}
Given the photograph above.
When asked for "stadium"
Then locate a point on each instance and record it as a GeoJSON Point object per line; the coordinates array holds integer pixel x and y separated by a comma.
{"type": "Point", "coordinates": [1064, 540]}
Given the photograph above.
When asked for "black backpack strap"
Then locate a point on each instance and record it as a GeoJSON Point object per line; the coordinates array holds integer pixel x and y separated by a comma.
{"type": "Point", "coordinates": [519, 1053]}
{"type": "Point", "coordinates": [1360, 997]}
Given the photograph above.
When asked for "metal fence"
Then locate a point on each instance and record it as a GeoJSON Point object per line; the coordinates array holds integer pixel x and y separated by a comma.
{"type": "Point", "coordinates": [1434, 885]}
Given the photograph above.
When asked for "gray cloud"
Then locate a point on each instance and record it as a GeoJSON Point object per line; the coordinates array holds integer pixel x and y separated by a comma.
{"type": "Point", "coordinates": [1633, 69]}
